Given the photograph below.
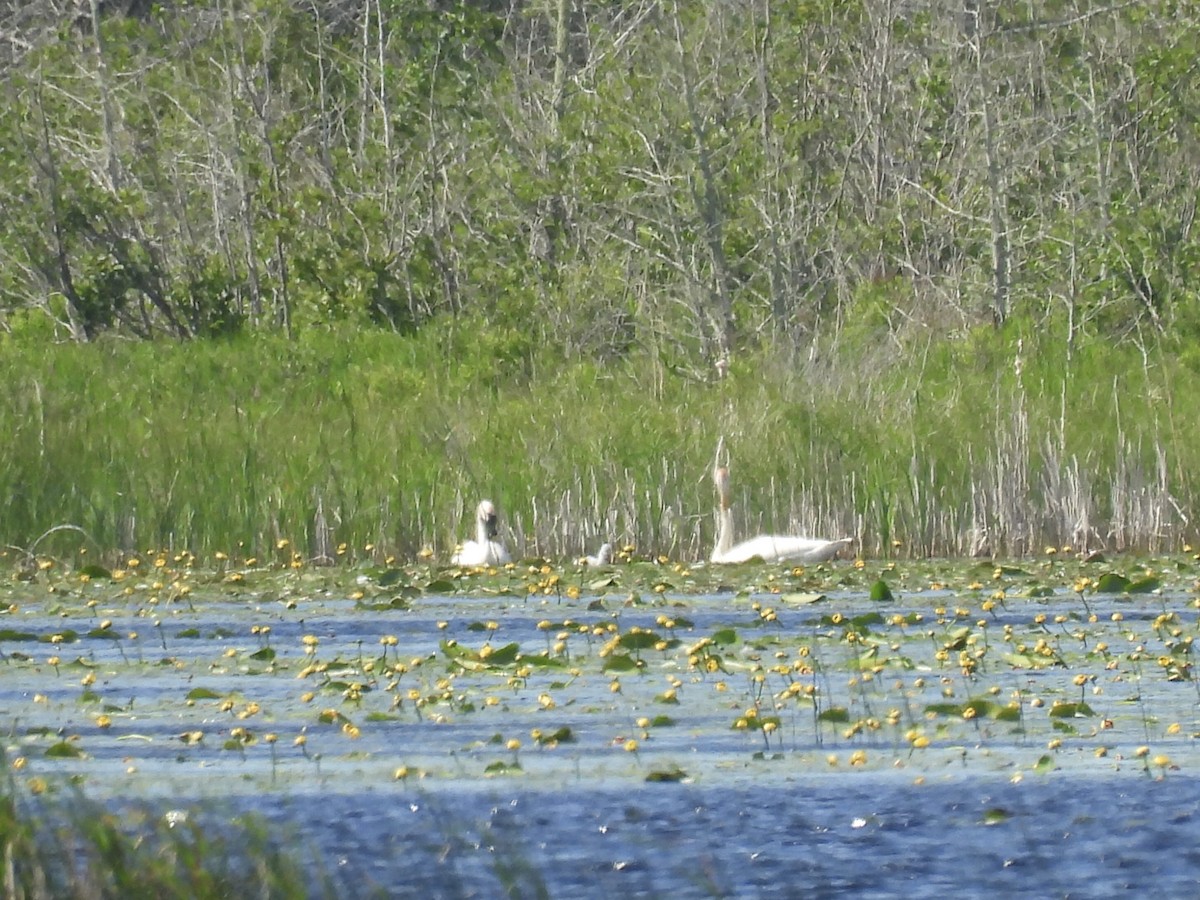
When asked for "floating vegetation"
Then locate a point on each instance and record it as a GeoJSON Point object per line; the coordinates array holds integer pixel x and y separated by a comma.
{"type": "Point", "coordinates": [290, 673]}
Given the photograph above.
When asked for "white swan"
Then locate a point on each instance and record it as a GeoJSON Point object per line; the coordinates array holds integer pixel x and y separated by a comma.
{"type": "Point", "coordinates": [603, 556]}
{"type": "Point", "coordinates": [767, 547]}
{"type": "Point", "coordinates": [486, 549]}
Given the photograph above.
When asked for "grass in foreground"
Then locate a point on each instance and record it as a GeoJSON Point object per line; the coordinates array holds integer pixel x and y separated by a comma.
{"type": "Point", "coordinates": [70, 849]}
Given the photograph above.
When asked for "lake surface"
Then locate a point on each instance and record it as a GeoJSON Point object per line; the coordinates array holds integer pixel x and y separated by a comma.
{"type": "Point", "coordinates": [420, 733]}
{"type": "Point", "coordinates": [777, 837]}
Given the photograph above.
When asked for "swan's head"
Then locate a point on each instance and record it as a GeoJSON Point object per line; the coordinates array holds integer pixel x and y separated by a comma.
{"type": "Point", "coordinates": [721, 480]}
{"type": "Point", "coordinates": [605, 554]}
{"type": "Point", "coordinates": [486, 515]}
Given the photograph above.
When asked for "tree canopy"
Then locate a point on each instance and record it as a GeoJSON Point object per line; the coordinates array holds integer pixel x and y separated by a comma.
{"type": "Point", "coordinates": [686, 177]}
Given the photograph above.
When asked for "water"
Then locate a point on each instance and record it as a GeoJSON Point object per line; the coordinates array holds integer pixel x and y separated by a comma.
{"type": "Point", "coordinates": [185, 712]}
{"type": "Point", "coordinates": [811, 837]}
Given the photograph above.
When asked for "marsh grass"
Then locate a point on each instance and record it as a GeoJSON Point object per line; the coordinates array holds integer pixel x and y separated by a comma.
{"type": "Point", "coordinates": [67, 848]}
{"type": "Point", "coordinates": [353, 440]}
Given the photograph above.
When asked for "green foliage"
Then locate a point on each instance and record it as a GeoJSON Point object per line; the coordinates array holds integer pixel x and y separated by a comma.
{"type": "Point", "coordinates": [504, 272]}
{"type": "Point", "coordinates": [354, 436]}
{"type": "Point", "coordinates": [318, 168]}
{"type": "Point", "coordinates": [69, 847]}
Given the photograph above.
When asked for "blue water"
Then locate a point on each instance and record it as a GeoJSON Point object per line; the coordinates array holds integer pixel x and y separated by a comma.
{"type": "Point", "coordinates": [874, 837]}
{"type": "Point", "coordinates": [580, 821]}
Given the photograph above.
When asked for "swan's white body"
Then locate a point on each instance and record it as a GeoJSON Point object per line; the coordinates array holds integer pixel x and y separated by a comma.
{"type": "Point", "coordinates": [767, 547]}
{"type": "Point", "coordinates": [602, 558]}
{"type": "Point", "coordinates": [485, 550]}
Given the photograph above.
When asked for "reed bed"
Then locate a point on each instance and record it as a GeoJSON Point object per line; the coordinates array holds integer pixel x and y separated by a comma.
{"type": "Point", "coordinates": [344, 443]}
{"type": "Point", "coordinates": [69, 848]}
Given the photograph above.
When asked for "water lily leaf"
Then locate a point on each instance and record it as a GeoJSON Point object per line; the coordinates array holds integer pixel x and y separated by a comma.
{"type": "Point", "coordinates": [980, 707]}
{"type": "Point", "coordinates": [944, 709]}
{"type": "Point", "coordinates": [94, 571]}
{"type": "Point", "coordinates": [8, 634]}
{"type": "Point", "coordinates": [64, 637]}
{"type": "Point", "coordinates": [862, 622]}
{"type": "Point", "coordinates": [1040, 590]}
{"type": "Point", "coordinates": [662, 722]}
{"type": "Point", "coordinates": [996, 816]}
{"type": "Point", "coordinates": [1144, 586]}
{"type": "Point", "coordinates": [601, 583]}
{"type": "Point", "coordinates": [440, 586]}
{"type": "Point", "coordinates": [500, 767]}
{"type": "Point", "coordinates": [105, 633]}
{"type": "Point", "coordinates": [639, 640]}
{"type": "Point", "coordinates": [1061, 710]}
{"type": "Point", "coordinates": [201, 693]}
{"type": "Point", "coordinates": [502, 656]}
{"type": "Point", "coordinates": [619, 662]}
{"type": "Point", "coordinates": [834, 714]}
{"type": "Point", "coordinates": [957, 638]}
{"type": "Point", "coordinates": [880, 592]}
{"type": "Point", "coordinates": [263, 654]}
{"type": "Point", "coordinates": [64, 750]}
{"type": "Point", "coordinates": [389, 577]}
{"type": "Point", "coordinates": [801, 599]}
{"type": "Point", "coordinates": [725, 637]}
{"type": "Point", "coordinates": [868, 656]}
{"type": "Point", "coordinates": [1044, 764]}
{"type": "Point", "coordinates": [1112, 583]}
{"type": "Point", "coordinates": [1010, 712]}
{"type": "Point", "coordinates": [542, 661]}
{"type": "Point", "coordinates": [455, 650]}
{"type": "Point", "coordinates": [671, 775]}
{"type": "Point", "coordinates": [189, 633]}
{"type": "Point", "coordinates": [1025, 661]}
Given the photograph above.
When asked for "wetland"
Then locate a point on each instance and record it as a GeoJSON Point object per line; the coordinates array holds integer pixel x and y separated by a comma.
{"type": "Point", "coordinates": [650, 726]}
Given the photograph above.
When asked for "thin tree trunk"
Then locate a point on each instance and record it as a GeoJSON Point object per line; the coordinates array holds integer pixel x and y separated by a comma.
{"type": "Point", "coordinates": [1001, 287]}
{"type": "Point", "coordinates": [709, 205]}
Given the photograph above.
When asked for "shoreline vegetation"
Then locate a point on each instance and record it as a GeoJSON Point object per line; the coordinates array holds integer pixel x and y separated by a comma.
{"type": "Point", "coordinates": [66, 846]}
{"type": "Point", "coordinates": [381, 443]}
{"type": "Point", "coordinates": [334, 273]}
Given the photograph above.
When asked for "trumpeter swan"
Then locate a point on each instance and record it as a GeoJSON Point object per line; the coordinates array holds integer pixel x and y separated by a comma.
{"type": "Point", "coordinates": [767, 547]}
{"type": "Point", "coordinates": [603, 556]}
{"type": "Point", "coordinates": [486, 549]}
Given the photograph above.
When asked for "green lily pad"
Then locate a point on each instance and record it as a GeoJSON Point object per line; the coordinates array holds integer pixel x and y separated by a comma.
{"type": "Point", "coordinates": [880, 592]}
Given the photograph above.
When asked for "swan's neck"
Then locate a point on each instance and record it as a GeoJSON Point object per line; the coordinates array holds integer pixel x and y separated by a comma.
{"type": "Point", "coordinates": [481, 532]}
{"type": "Point", "coordinates": [724, 532]}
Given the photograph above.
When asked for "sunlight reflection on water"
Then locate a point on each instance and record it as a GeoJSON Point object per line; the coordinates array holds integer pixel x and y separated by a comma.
{"type": "Point", "coordinates": [826, 837]}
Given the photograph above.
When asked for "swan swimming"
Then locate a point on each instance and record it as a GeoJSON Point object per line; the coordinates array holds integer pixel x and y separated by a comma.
{"type": "Point", "coordinates": [603, 556]}
{"type": "Point", "coordinates": [486, 549]}
{"type": "Point", "coordinates": [767, 547]}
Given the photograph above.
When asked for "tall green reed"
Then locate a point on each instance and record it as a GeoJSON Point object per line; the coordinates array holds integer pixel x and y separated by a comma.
{"type": "Point", "coordinates": [373, 439]}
